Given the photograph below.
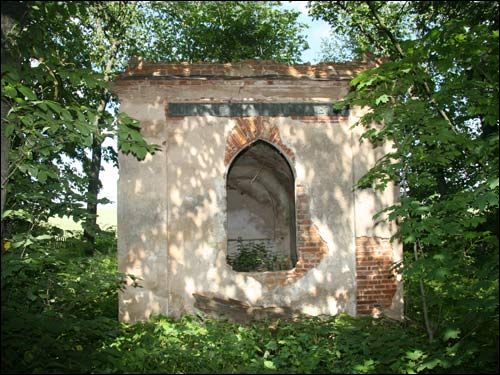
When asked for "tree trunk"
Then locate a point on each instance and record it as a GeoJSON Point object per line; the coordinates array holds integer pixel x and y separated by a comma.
{"type": "Point", "coordinates": [5, 156]}
{"type": "Point", "coordinates": [91, 227]}
{"type": "Point", "coordinates": [12, 13]}
{"type": "Point", "coordinates": [427, 321]}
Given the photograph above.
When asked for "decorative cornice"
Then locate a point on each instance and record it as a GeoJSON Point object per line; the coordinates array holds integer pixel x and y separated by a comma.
{"type": "Point", "coordinates": [247, 69]}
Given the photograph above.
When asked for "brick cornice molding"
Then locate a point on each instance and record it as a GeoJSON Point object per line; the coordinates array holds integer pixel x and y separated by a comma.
{"type": "Point", "coordinates": [140, 69]}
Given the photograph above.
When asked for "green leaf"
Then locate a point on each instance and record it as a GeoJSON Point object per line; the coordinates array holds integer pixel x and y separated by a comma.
{"type": "Point", "coordinates": [9, 91]}
{"type": "Point", "coordinates": [451, 333]}
{"type": "Point", "coordinates": [415, 355]}
{"type": "Point", "coordinates": [9, 129]}
{"type": "Point", "coordinates": [429, 364]}
{"type": "Point", "coordinates": [66, 115]}
{"type": "Point", "coordinates": [43, 237]}
{"type": "Point", "coordinates": [139, 152]}
{"type": "Point", "coordinates": [27, 92]}
{"type": "Point", "coordinates": [54, 106]}
{"type": "Point", "coordinates": [493, 183]}
{"type": "Point", "coordinates": [382, 99]}
{"type": "Point", "coordinates": [409, 239]}
{"type": "Point", "coordinates": [269, 365]}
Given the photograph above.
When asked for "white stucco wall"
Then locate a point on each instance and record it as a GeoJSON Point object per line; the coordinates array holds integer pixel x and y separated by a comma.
{"type": "Point", "coordinates": [172, 206]}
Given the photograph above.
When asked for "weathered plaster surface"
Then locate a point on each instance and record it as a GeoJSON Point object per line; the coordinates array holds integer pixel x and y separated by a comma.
{"type": "Point", "coordinates": [172, 224]}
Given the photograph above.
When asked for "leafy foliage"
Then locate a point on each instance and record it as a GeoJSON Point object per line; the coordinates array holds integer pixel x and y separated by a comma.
{"type": "Point", "coordinates": [250, 257]}
{"type": "Point", "coordinates": [254, 256]}
{"type": "Point", "coordinates": [59, 310]}
{"type": "Point", "coordinates": [435, 98]}
{"type": "Point", "coordinates": [353, 22]}
{"type": "Point", "coordinates": [223, 31]}
{"type": "Point", "coordinates": [337, 48]}
{"type": "Point", "coordinates": [57, 88]}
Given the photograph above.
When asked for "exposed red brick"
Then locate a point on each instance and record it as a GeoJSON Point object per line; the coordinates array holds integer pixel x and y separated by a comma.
{"type": "Point", "coordinates": [249, 68]}
{"type": "Point", "coordinates": [376, 283]}
{"type": "Point", "coordinates": [250, 129]}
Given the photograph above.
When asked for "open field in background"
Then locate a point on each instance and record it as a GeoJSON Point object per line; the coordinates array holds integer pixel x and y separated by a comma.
{"type": "Point", "coordinates": [106, 218]}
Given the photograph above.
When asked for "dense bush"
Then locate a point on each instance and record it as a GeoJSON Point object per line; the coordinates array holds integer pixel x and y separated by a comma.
{"type": "Point", "coordinates": [59, 314]}
{"type": "Point", "coordinates": [253, 256]}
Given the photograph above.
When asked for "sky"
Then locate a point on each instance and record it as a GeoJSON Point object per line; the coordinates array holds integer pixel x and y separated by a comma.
{"type": "Point", "coordinates": [317, 30]}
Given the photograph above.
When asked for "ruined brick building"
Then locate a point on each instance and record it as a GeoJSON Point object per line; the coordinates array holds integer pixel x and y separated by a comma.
{"type": "Point", "coordinates": [249, 209]}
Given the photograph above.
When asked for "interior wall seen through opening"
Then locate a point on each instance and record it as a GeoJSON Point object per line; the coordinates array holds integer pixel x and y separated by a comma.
{"type": "Point", "coordinates": [261, 210]}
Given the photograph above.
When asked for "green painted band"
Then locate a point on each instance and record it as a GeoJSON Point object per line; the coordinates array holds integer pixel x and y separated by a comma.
{"type": "Point", "coordinates": [254, 109]}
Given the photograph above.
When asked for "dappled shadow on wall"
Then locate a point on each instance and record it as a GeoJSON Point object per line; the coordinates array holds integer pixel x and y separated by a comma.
{"type": "Point", "coordinates": [198, 230]}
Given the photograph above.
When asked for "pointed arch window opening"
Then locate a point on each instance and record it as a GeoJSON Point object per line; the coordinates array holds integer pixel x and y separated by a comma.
{"type": "Point", "coordinates": [261, 222]}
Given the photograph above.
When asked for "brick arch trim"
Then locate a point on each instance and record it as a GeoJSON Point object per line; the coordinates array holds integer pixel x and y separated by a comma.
{"type": "Point", "coordinates": [251, 129]}
{"type": "Point", "coordinates": [269, 143]}
{"type": "Point", "coordinates": [311, 248]}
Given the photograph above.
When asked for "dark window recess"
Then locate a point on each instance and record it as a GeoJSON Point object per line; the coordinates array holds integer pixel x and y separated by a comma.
{"type": "Point", "coordinates": [261, 211]}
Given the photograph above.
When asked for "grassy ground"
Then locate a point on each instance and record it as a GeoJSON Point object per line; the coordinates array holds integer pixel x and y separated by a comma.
{"type": "Point", "coordinates": [59, 315]}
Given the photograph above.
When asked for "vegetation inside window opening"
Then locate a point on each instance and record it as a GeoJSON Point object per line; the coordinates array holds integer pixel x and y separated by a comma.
{"type": "Point", "coordinates": [261, 211]}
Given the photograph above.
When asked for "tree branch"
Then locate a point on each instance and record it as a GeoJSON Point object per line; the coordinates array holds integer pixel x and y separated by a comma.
{"type": "Point", "coordinates": [430, 333]}
{"type": "Point", "coordinates": [397, 46]}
